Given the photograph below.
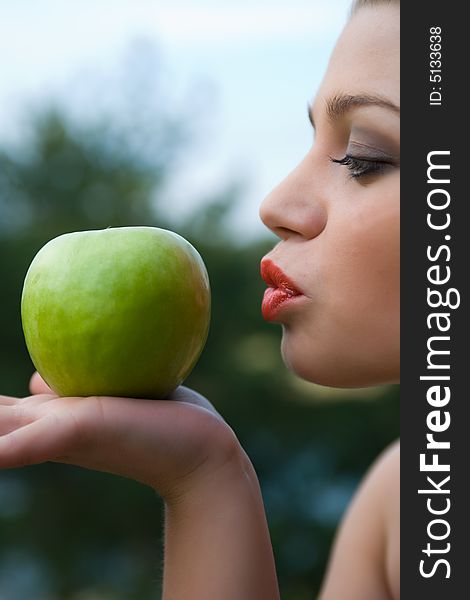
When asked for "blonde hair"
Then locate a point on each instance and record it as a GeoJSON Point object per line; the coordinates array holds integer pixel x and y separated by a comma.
{"type": "Point", "coordinates": [357, 4]}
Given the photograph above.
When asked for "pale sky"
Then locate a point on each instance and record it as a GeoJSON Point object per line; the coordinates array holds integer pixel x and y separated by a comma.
{"type": "Point", "coordinates": [262, 60]}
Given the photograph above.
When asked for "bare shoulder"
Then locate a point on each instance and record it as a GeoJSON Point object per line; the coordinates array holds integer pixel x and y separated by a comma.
{"type": "Point", "coordinates": [364, 563]}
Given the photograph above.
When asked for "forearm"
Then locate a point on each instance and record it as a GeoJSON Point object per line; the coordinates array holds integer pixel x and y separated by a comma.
{"type": "Point", "coordinates": [217, 542]}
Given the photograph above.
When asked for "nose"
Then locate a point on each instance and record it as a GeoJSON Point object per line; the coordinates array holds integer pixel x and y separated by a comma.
{"type": "Point", "coordinates": [294, 207]}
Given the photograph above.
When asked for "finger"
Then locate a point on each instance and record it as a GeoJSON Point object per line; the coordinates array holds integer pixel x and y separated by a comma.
{"type": "Point", "coordinates": [12, 417]}
{"type": "Point", "coordinates": [36, 400]}
{"type": "Point", "coordinates": [30, 400]}
{"type": "Point", "coordinates": [39, 441]}
{"type": "Point", "coordinates": [37, 385]}
{"type": "Point", "coordinates": [7, 400]}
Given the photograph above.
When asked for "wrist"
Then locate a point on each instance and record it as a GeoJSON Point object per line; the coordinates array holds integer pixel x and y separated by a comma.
{"type": "Point", "coordinates": [229, 468]}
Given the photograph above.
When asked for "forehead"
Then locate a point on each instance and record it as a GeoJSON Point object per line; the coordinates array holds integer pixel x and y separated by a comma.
{"type": "Point", "coordinates": [366, 58]}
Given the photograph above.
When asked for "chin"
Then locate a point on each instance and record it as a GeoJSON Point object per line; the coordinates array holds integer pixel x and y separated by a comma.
{"type": "Point", "coordinates": [335, 369]}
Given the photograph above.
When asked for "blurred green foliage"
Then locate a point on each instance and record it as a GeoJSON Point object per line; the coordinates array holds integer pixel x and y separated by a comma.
{"type": "Point", "coordinates": [70, 534]}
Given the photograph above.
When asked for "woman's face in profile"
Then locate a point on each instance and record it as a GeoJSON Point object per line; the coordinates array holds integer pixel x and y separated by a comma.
{"type": "Point", "coordinates": [337, 215]}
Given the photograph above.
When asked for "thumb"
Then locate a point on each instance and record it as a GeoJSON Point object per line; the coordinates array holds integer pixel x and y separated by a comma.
{"type": "Point", "coordinates": [37, 385]}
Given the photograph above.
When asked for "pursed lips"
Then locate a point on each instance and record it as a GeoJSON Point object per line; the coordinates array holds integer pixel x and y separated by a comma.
{"type": "Point", "coordinates": [274, 277]}
{"type": "Point", "coordinates": [281, 291]}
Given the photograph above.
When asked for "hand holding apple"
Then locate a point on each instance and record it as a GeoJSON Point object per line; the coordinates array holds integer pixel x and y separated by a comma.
{"type": "Point", "coordinates": [85, 317]}
{"type": "Point", "coordinates": [215, 525]}
{"type": "Point", "coordinates": [121, 313]}
{"type": "Point", "coordinates": [116, 312]}
{"type": "Point", "coordinates": [166, 445]}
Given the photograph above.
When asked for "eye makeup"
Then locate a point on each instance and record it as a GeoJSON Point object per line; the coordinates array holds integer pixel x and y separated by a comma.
{"type": "Point", "coordinates": [368, 153]}
{"type": "Point", "coordinates": [366, 142]}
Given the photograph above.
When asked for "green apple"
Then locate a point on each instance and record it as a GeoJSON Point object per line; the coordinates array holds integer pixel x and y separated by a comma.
{"type": "Point", "coordinates": [119, 312]}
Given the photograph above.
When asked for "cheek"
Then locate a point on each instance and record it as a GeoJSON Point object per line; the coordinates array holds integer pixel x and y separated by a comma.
{"type": "Point", "coordinates": [363, 271]}
{"type": "Point", "coordinates": [350, 336]}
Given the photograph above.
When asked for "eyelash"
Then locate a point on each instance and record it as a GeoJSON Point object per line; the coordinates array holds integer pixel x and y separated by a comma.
{"type": "Point", "coordinates": [360, 167]}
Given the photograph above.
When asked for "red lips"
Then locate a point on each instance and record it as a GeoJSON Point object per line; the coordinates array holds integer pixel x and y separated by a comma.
{"type": "Point", "coordinates": [280, 291]}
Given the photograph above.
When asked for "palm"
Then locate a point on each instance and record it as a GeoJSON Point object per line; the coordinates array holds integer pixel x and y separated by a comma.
{"type": "Point", "coordinates": [157, 442]}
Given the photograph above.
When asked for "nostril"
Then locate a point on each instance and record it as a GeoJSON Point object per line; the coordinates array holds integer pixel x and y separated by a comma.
{"type": "Point", "coordinates": [283, 232]}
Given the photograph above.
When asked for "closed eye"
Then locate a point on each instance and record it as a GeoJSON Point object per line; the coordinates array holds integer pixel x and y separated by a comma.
{"type": "Point", "coordinates": [360, 167]}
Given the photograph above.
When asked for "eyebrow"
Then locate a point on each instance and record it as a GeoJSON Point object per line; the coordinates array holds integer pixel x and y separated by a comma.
{"type": "Point", "coordinates": [339, 104]}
